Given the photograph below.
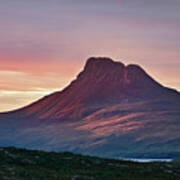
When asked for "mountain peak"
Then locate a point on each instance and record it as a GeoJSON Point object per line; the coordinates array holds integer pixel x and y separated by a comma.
{"type": "Point", "coordinates": [105, 80]}
{"type": "Point", "coordinates": [98, 59]}
{"type": "Point", "coordinates": [105, 68]}
{"type": "Point", "coordinates": [98, 67]}
{"type": "Point", "coordinates": [105, 64]}
{"type": "Point", "coordinates": [102, 62]}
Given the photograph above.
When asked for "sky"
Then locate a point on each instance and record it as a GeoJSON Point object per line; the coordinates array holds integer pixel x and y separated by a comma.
{"type": "Point", "coordinates": [44, 44]}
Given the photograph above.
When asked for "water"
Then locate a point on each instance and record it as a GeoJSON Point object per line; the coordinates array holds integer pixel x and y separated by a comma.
{"type": "Point", "coordinates": [147, 160]}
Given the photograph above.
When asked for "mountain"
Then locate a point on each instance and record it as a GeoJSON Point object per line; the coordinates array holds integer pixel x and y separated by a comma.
{"type": "Point", "coordinates": [109, 110]}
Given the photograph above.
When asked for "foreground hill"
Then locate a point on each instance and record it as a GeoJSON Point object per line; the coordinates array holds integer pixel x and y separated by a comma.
{"type": "Point", "coordinates": [20, 164]}
{"type": "Point", "coordinates": [109, 110]}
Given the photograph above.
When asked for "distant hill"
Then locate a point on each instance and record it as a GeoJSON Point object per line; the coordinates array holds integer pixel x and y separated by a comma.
{"type": "Point", "coordinates": [109, 110]}
{"type": "Point", "coordinates": [21, 164]}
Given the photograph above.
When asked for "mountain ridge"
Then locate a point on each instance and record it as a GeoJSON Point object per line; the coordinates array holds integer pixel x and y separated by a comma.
{"type": "Point", "coordinates": [103, 73]}
{"type": "Point", "coordinates": [109, 110]}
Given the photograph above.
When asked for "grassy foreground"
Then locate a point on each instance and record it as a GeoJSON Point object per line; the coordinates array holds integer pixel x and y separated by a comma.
{"type": "Point", "coordinates": [20, 164]}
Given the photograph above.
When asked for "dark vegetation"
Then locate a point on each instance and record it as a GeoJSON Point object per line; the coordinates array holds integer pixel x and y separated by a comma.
{"type": "Point", "coordinates": [21, 164]}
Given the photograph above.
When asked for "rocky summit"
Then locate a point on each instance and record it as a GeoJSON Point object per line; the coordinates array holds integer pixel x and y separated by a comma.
{"type": "Point", "coordinates": [110, 110]}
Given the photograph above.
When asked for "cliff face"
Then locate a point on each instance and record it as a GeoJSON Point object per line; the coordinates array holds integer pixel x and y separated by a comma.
{"type": "Point", "coordinates": [109, 106]}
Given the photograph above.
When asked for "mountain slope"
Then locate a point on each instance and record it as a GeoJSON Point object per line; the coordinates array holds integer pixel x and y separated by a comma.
{"type": "Point", "coordinates": [110, 109]}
